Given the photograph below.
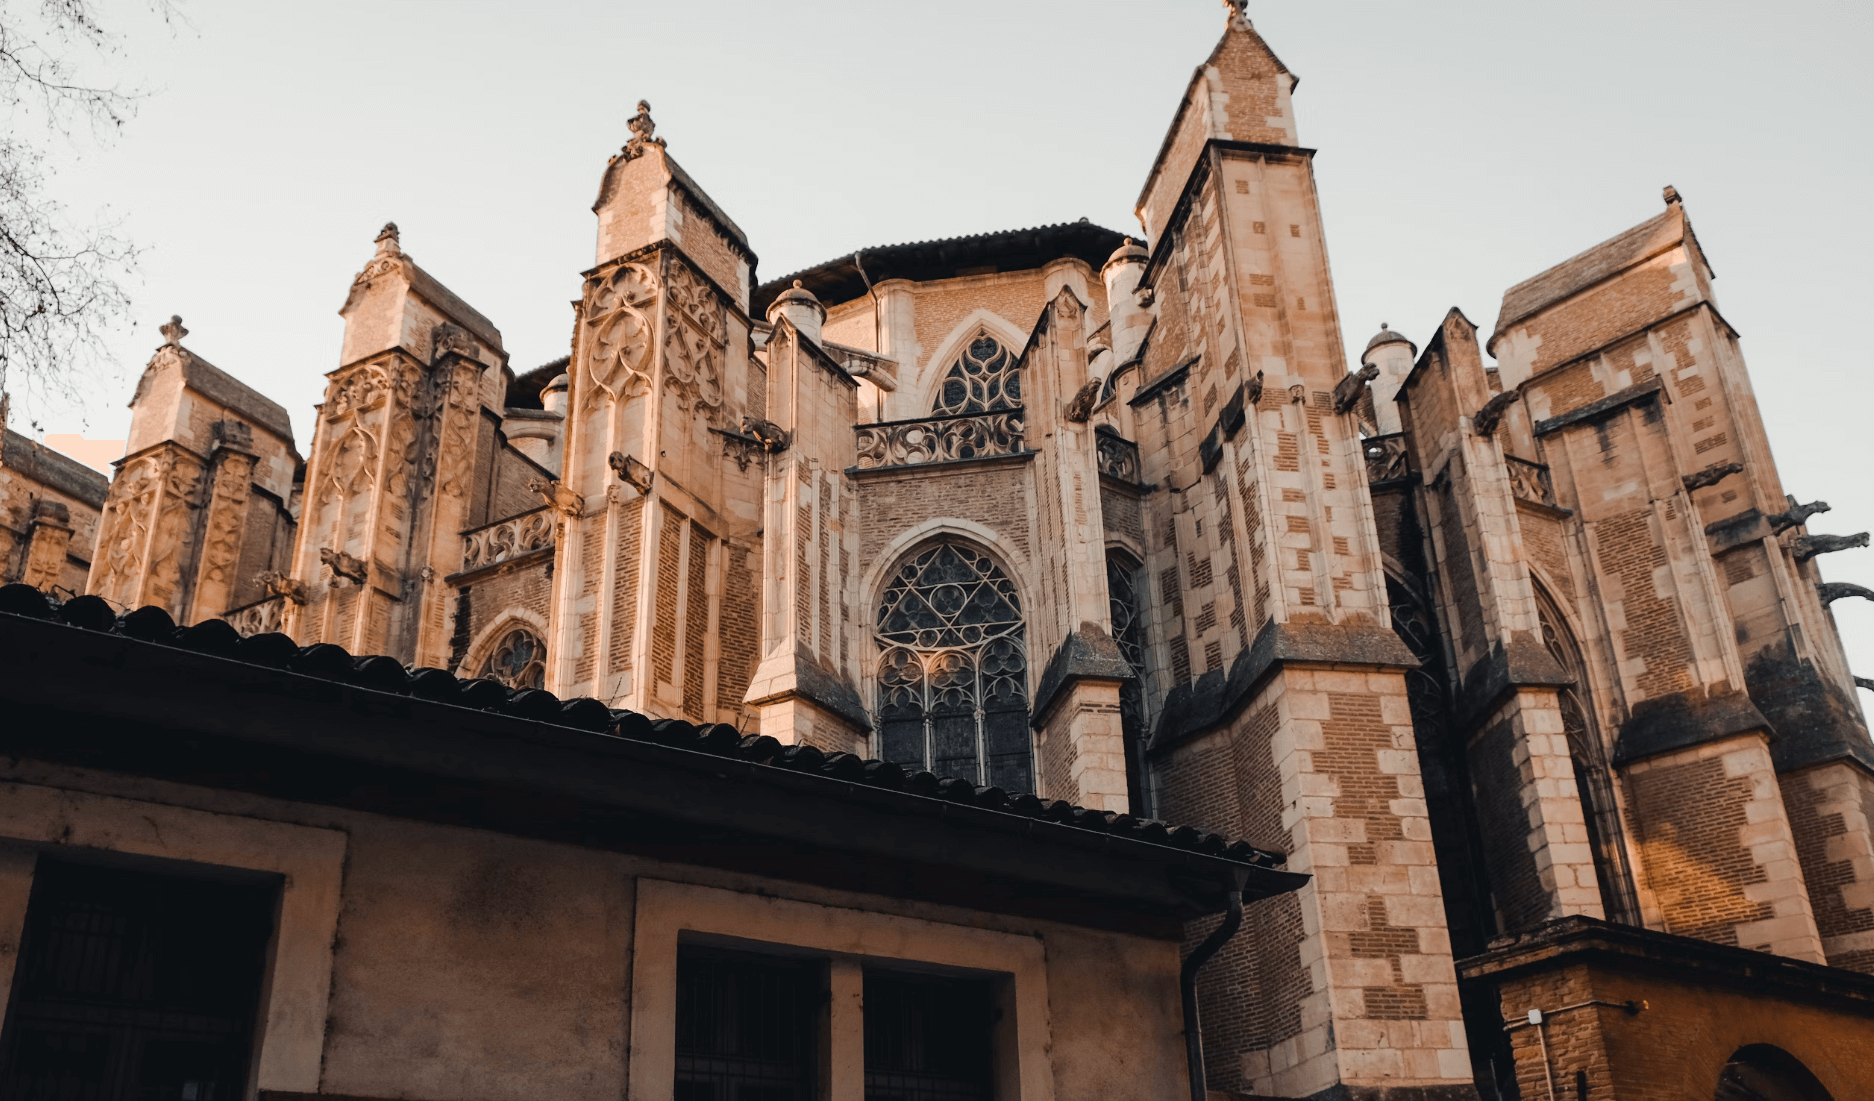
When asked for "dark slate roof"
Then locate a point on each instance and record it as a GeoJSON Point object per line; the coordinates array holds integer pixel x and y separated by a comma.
{"type": "Point", "coordinates": [1532, 296]}
{"type": "Point", "coordinates": [254, 693]}
{"type": "Point", "coordinates": [53, 469]}
{"type": "Point", "coordinates": [524, 391]}
{"type": "Point", "coordinates": [839, 280]}
{"type": "Point", "coordinates": [224, 389]}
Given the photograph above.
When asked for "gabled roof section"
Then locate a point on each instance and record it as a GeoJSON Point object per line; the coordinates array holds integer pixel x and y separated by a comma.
{"type": "Point", "coordinates": [1240, 43]}
{"type": "Point", "coordinates": [1603, 261]}
{"type": "Point", "coordinates": [850, 276]}
{"type": "Point", "coordinates": [225, 390]}
{"type": "Point", "coordinates": [53, 469]}
{"type": "Point", "coordinates": [452, 306]}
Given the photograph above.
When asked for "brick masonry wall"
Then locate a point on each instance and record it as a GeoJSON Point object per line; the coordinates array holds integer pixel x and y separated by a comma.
{"type": "Point", "coordinates": [526, 588]}
{"type": "Point", "coordinates": [1830, 809]}
{"type": "Point", "coordinates": [1718, 850]}
{"type": "Point", "coordinates": [1676, 1048]}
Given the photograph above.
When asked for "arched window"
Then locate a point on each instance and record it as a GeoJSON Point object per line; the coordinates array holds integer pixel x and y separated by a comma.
{"type": "Point", "coordinates": [953, 669]}
{"type": "Point", "coordinates": [1592, 780]}
{"type": "Point", "coordinates": [1122, 593]}
{"type": "Point", "coordinates": [983, 379]}
{"type": "Point", "coordinates": [518, 660]}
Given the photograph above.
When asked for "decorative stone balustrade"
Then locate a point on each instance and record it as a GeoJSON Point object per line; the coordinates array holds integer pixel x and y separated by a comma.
{"type": "Point", "coordinates": [260, 618]}
{"type": "Point", "coordinates": [1385, 458]}
{"type": "Point", "coordinates": [940, 439]}
{"type": "Point", "coordinates": [1117, 456]}
{"type": "Point", "coordinates": [505, 539]}
{"type": "Point", "coordinates": [1530, 481]}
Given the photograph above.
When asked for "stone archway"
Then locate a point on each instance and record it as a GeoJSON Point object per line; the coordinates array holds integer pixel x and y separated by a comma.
{"type": "Point", "coordinates": [1765, 1072]}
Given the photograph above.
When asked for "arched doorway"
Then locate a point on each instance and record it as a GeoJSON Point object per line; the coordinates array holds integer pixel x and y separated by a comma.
{"type": "Point", "coordinates": [1765, 1072]}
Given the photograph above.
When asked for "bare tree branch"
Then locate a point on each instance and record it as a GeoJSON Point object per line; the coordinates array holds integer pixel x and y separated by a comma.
{"type": "Point", "coordinates": [60, 289]}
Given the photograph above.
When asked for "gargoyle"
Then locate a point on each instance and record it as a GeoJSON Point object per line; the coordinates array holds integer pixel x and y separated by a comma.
{"type": "Point", "coordinates": [1348, 390]}
{"type": "Point", "coordinates": [555, 493]}
{"type": "Point", "coordinates": [345, 565]}
{"type": "Point", "coordinates": [1831, 591]}
{"type": "Point", "coordinates": [1081, 407]}
{"type": "Point", "coordinates": [1711, 475]}
{"type": "Point", "coordinates": [1252, 391]}
{"type": "Point", "coordinates": [1806, 547]}
{"type": "Point", "coordinates": [1484, 421]}
{"type": "Point", "coordinates": [773, 438]}
{"type": "Point", "coordinates": [1863, 682]}
{"type": "Point", "coordinates": [631, 471]}
{"type": "Point", "coordinates": [1797, 514]}
{"type": "Point", "coordinates": [275, 583]}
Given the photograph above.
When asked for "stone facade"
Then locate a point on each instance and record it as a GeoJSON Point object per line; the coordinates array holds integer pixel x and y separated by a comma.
{"type": "Point", "coordinates": [1486, 651]}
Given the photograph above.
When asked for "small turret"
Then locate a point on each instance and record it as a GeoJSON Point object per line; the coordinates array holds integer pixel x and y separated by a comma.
{"type": "Point", "coordinates": [801, 308]}
{"type": "Point", "coordinates": [1393, 355]}
{"type": "Point", "coordinates": [1122, 272]}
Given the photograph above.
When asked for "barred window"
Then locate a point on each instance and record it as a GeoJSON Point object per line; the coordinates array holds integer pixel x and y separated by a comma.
{"type": "Point", "coordinates": [953, 669]}
{"type": "Point", "coordinates": [983, 379]}
{"type": "Point", "coordinates": [519, 660]}
{"type": "Point", "coordinates": [927, 1038]}
{"type": "Point", "coordinates": [747, 1026]}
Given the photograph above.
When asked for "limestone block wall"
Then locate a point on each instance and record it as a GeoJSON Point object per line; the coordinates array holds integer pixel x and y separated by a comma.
{"type": "Point", "coordinates": [1831, 814]}
{"type": "Point", "coordinates": [50, 506]}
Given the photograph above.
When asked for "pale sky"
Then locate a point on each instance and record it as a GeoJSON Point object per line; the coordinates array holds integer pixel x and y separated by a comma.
{"type": "Point", "coordinates": [1464, 145]}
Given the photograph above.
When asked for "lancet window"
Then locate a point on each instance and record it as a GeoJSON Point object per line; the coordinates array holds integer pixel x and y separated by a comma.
{"type": "Point", "coordinates": [518, 660]}
{"type": "Point", "coordinates": [1593, 783]}
{"type": "Point", "coordinates": [983, 379]}
{"type": "Point", "coordinates": [1122, 591]}
{"type": "Point", "coordinates": [953, 669]}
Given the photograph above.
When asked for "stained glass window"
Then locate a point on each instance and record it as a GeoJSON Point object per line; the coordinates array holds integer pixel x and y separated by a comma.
{"type": "Point", "coordinates": [953, 669]}
{"type": "Point", "coordinates": [519, 660]}
{"type": "Point", "coordinates": [983, 379]}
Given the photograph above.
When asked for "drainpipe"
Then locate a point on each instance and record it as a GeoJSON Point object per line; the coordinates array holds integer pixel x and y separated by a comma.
{"type": "Point", "coordinates": [1187, 979]}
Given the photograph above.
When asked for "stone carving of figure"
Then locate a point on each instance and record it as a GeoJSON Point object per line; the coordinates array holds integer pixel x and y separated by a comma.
{"type": "Point", "coordinates": [643, 131]}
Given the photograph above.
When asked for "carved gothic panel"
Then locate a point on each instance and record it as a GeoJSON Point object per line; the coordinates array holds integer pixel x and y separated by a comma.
{"type": "Point", "coordinates": [694, 345]}
{"type": "Point", "coordinates": [618, 322]}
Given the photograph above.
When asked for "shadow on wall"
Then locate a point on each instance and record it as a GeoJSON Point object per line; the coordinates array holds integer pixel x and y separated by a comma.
{"type": "Point", "coordinates": [1764, 1072]}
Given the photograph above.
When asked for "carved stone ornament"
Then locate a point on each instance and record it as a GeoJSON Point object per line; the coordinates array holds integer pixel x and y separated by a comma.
{"type": "Point", "coordinates": [643, 133]}
{"type": "Point", "coordinates": [618, 327]}
{"type": "Point", "coordinates": [275, 583]}
{"type": "Point", "coordinates": [1252, 390]}
{"type": "Point", "coordinates": [263, 618]}
{"type": "Point", "coordinates": [345, 565]}
{"type": "Point", "coordinates": [772, 437]}
{"type": "Point", "coordinates": [1711, 475]}
{"type": "Point", "coordinates": [940, 439]}
{"type": "Point", "coordinates": [508, 539]}
{"type": "Point", "coordinates": [1831, 591]}
{"type": "Point", "coordinates": [694, 345]}
{"type": "Point", "coordinates": [1796, 516]}
{"type": "Point", "coordinates": [1863, 682]}
{"type": "Point", "coordinates": [1081, 406]}
{"type": "Point", "coordinates": [1117, 457]}
{"type": "Point", "coordinates": [555, 493]}
{"type": "Point", "coordinates": [389, 256]}
{"type": "Point", "coordinates": [1484, 422]}
{"type": "Point", "coordinates": [1297, 394]}
{"type": "Point", "coordinates": [1348, 390]}
{"type": "Point", "coordinates": [172, 331]}
{"type": "Point", "coordinates": [631, 471]}
{"type": "Point", "coordinates": [1805, 547]}
{"type": "Point", "coordinates": [447, 338]}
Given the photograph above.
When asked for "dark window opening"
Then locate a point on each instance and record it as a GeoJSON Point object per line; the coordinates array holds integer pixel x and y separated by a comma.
{"type": "Point", "coordinates": [1123, 591]}
{"type": "Point", "coordinates": [747, 1026]}
{"type": "Point", "coordinates": [134, 986]}
{"type": "Point", "coordinates": [928, 1038]}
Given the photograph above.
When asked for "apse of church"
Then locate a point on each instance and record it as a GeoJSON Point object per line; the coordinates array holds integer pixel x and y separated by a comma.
{"type": "Point", "coordinates": [1493, 654]}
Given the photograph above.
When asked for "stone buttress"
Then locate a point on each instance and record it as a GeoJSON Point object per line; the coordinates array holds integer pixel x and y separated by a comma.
{"type": "Point", "coordinates": [1280, 710]}
{"type": "Point", "coordinates": [657, 566]}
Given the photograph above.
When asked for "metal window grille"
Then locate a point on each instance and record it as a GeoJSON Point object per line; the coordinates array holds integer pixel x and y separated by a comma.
{"type": "Point", "coordinates": [747, 1026]}
{"type": "Point", "coordinates": [134, 986]}
{"type": "Point", "coordinates": [928, 1038]}
{"type": "Point", "coordinates": [953, 669]}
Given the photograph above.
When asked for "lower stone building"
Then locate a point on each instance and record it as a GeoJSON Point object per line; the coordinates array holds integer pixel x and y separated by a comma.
{"type": "Point", "coordinates": [1526, 669]}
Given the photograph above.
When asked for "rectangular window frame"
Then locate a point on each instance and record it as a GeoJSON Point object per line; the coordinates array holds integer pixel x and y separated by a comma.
{"type": "Point", "coordinates": [670, 913]}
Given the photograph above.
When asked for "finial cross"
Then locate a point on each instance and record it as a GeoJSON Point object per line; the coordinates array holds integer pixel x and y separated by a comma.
{"type": "Point", "coordinates": [172, 331]}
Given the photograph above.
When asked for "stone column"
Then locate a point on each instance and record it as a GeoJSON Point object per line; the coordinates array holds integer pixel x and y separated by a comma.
{"type": "Point", "coordinates": [231, 475]}
{"type": "Point", "coordinates": [46, 542]}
